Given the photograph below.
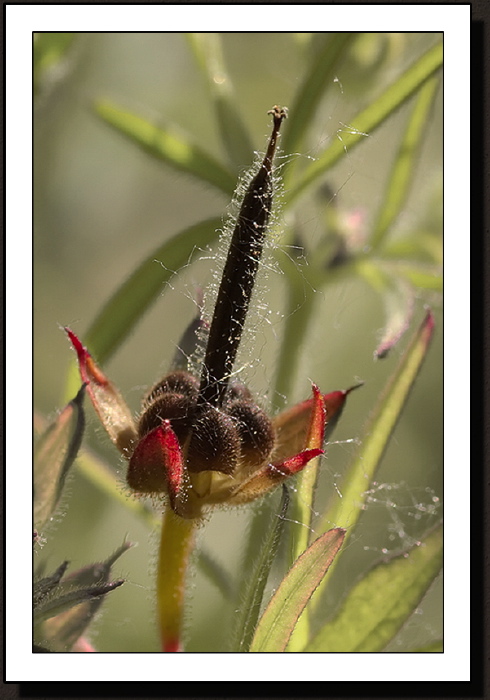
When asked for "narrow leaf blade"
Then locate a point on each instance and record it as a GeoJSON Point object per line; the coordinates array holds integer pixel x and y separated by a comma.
{"type": "Point", "coordinates": [80, 595]}
{"type": "Point", "coordinates": [319, 76]}
{"type": "Point", "coordinates": [174, 150]}
{"type": "Point", "coordinates": [68, 603]}
{"type": "Point", "coordinates": [346, 511]}
{"type": "Point", "coordinates": [208, 51]}
{"type": "Point", "coordinates": [372, 116]}
{"type": "Point", "coordinates": [379, 429]}
{"type": "Point", "coordinates": [278, 621]}
{"type": "Point", "coordinates": [433, 648]}
{"type": "Point", "coordinates": [54, 455]}
{"type": "Point", "coordinates": [377, 607]}
{"type": "Point", "coordinates": [404, 165]}
{"type": "Point", "coordinates": [119, 316]}
{"type": "Point", "coordinates": [126, 307]}
{"type": "Point", "coordinates": [252, 591]}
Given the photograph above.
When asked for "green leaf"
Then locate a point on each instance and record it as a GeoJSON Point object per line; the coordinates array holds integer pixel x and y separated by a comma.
{"type": "Point", "coordinates": [46, 585]}
{"type": "Point", "coordinates": [376, 434]}
{"type": "Point", "coordinates": [54, 454]}
{"type": "Point", "coordinates": [278, 621]}
{"type": "Point", "coordinates": [301, 516]}
{"type": "Point", "coordinates": [49, 48]}
{"type": "Point", "coordinates": [95, 470]}
{"type": "Point", "coordinates": [251, 593]}
{"type": "Point", "coordinates": [404, 166]}
{"type": "Point", "coordinates": [125, 308]}
{"type": "Point", "coordinates": [423, 278]}
{"type": "Point", "coordinates": [435, 647]}
{"type": "Point", "coordinates": [70, 601]}
{"type": "Point", "coordinates": [419, 247]}
{"type": "Point", "coordinates": [372, 116]}
{"type": "Point", "coordinates": [376, 608]}
{"type": "Point", "coordinates": [303, 508]}
{"type": "Point", "coordinates": [299, 295]}
{"type": "Point", "coordinates": [132, 299]}
{"type": "Point", "coordinates": [208, 52]}
{"type": "Point", "coordinates": [379, 429]}
{"type": "Point", "coordinates": [95, 573]}
{"type": "Point", "coordinates": [167, 146]}
{"type": "Point", "coordinates": [63, 617]}
{"type": "Point", "coordinates": [313, 89]}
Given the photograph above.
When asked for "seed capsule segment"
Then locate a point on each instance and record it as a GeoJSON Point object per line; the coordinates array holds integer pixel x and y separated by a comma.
{"type": "Point", "coordinates": [238, 278]}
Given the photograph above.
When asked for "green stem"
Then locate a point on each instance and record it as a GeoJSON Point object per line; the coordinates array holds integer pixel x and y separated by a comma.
{"type": "Point", "coordinates": [299, 310]}
{"type": "Point", "coordinates": [176, 542]}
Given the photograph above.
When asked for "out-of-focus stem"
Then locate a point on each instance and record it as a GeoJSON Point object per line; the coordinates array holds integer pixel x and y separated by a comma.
{"type": "Point", "coordinates": [176, 542]}
{"type": "Point", "coordinates": [302, 298]}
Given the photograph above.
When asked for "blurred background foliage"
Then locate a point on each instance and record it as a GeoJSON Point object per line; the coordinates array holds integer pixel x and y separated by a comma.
{"type": "Point", "coordinates": [102, 205]}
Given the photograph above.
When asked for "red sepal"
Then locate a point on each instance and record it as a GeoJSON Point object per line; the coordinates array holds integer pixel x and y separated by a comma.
{"type": "Point", "coordinates": [156, 465]}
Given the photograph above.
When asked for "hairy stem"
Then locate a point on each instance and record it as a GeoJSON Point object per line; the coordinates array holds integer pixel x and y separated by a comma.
{"type": "Point", "coordinates": [176, 542]}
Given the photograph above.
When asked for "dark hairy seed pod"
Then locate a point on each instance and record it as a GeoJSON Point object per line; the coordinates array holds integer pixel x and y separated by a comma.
{"type": "Point", "coordinates": [256, 431]}
{"type": "Point", "coordinates": [237, 390]}
{"type": "Point", "coordinates": [238, 278]}
{"type": "Point", "coordinates": [177, 382]}
{"type": "Point", "coordinates": [177, 408]}
{"type": "Point", "coordinates": [215, 443]}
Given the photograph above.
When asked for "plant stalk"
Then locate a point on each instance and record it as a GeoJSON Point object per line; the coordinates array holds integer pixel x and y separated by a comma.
{"type": "Point", "coordinates": [176, 543]}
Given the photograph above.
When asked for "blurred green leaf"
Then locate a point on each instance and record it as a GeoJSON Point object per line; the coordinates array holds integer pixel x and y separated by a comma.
{"type": "Point", "coordinates": [252, 591]}
{"type": "Point", "coordinates": [53, 456]}
{"type": "Point", "coordinates": [319, 77]}
{"type": "Point", "coordinates": [435, 647]}
{"type": "Point", "coordinates": [295, 590]}
{"type": "Point", "coordinates": [208, 51]}
{"type": "Point", "coordinates": [299, 295]}
{"type": "Point", "coordinates": [422, 278]}
{"type": "Point", "coordinates": [420, 248]}
{"type": "Point", "coordinates": [167, 146]}
{"type": "Point", "coordinates": [147, 283]}
{"type": "Point", "coordinates": [376, 608]}
{"type": "Point", "coordinates": [346, 511]}
{"type": "Point", "coordinates": [405, 164]}
{"type": "Point", "coordinates": [49, 48]}
{"type": "Point", "coordinates": [120, 314]}
{"type": "Point", "coordinates": [95, 573]}
{"type": "Point", "coordinates": [379, 429]}
{"type": "Point", "coordinates": [371, 117]}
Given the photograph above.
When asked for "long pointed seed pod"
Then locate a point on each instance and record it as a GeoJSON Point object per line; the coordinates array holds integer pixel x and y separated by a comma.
{"type": "Point", "coordinates": [238, 278]}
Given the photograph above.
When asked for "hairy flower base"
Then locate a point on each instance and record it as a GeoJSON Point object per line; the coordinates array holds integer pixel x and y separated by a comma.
{"type": "Point", "coordinates": [204, 456]}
